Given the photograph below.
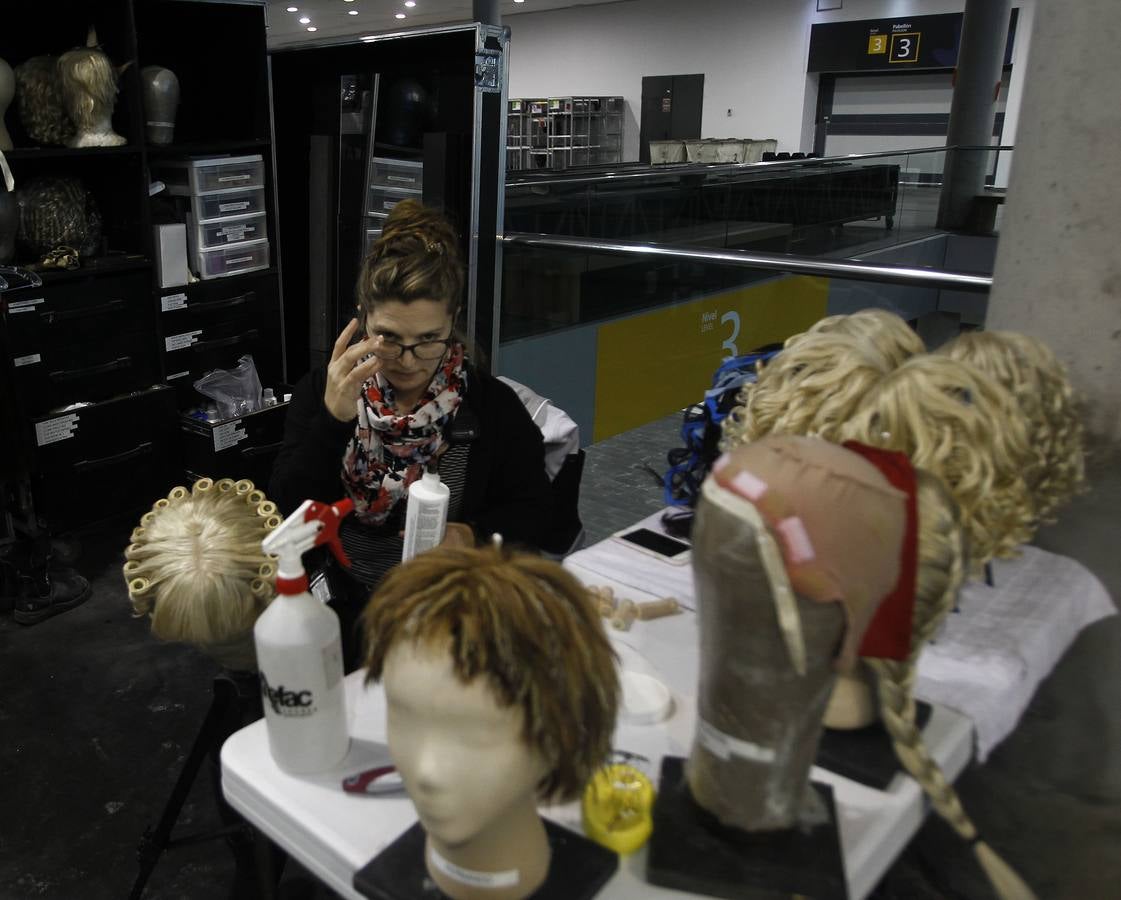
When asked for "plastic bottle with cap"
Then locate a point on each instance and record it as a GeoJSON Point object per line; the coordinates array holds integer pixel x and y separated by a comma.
{"type": "Point", "coordinates": [299, 649]}
{"type": "Point", "coordinates": [426, 515]}
{"type": "Point", "coordinates": [268, 397]}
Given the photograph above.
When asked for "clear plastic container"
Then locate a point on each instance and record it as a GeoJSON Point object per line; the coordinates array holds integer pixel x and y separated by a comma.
{"type": "Point", "coordinates": [398, 173]}
{"type": "Point", "coordinates": [383, 199]}
{"type": "Point", "coordinates": [203, 176]}
{"type": "Point", "coordinates": [233, 260]}
{"type": "Point", "coordinates": [226, 204]}
{"type": "Point", "coordinates": [222, 232]}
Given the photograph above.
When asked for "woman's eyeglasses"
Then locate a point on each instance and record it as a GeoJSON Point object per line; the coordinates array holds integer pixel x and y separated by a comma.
{"type": "Point", "coordinates": [428, 350]}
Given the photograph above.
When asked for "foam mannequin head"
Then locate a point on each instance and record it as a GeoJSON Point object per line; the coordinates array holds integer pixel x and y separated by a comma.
{"type": "Point", "coordinates": [795, 544]}
{"type": "Point", "coordinates": [501, 691]}
{"type": "Point", "coordinates": [196, 568]}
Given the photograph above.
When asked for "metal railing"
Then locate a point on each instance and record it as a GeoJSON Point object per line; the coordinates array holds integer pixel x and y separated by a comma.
{"type": "Point", "coordinates": [770, 262]}
{"type": "Point", "coordinates": [526, 180]}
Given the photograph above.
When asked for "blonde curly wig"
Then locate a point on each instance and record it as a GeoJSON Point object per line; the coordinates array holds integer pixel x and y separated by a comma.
{"type": "Point", "coordinates": [196, 567]}
{"type": "Point", "coordinates": [953, 422]}
{"type": "Point", "coordinates": [887, 332]}
{"type": "Point", "coordinates": [1033, 374]}
{"type": "Point", "coordinates": [810, 388]}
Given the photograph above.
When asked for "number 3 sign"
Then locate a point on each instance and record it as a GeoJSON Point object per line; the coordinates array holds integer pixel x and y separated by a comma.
{"type": "Point", "coordinates": [904, 47]}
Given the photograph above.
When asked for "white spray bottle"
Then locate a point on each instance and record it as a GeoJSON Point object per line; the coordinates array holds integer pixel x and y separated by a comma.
{"type": "Point", "coordinates": [299, 649]}
{"type": "Point", "coordinates": [426, 514]}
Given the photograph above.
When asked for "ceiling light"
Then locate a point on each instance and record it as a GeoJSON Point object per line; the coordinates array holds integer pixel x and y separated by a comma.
{"type": "Point", "coordinates": [313, 28]}
{"type": "Point", "coordinates": [352, 12]}
{"type": "Point", "coordinates": [410, 3]}
{"type": "Point", "coordinates": [293, 9]}
{"type": "Point", "coordinates": [304, 20]}
{"type": "Point", "coordinates": [399, 16]}
{"type": "Point", "coordinates": [519, 1]}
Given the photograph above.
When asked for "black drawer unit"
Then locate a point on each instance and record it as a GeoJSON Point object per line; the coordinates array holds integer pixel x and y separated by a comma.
{"type": "Point", "coordinates": [105, 365]}
{"type": "Point", "coordinates": [210, 325]}
{"type": "Point", "coordinates": [107, 459]}
{"type": "Point", "coordinates": [83, 311]}
{"type": "Point", "coordinates": [243, 447]}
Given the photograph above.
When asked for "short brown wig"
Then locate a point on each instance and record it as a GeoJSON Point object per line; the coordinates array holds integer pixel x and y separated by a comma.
{"type": "Point", "coordinates": [527, 626]}
{"type": "Point", "coordinates": [416, 258]}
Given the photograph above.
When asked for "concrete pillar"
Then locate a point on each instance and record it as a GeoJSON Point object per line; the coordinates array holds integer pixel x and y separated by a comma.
{"type": "Point", "coordinates": [486, 11]}
{"type": "Point", "coordinates": [984, 35]}
{"type": "Point", "coordinates": [1058, 262]}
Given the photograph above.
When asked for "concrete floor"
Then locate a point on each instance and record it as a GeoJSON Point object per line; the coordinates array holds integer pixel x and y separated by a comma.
{"type": "Point", "coordinates": [96, 718]}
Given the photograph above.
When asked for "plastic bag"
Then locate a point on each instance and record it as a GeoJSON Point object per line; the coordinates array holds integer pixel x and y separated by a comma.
{"type": "Point", "coordinates": [237, 391]}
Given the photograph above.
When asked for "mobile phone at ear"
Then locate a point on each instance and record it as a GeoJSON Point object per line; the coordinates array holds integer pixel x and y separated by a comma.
{"type": "Point", "coordinates": [661, 546]}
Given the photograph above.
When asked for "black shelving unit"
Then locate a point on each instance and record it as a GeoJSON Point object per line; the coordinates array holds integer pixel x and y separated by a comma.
{"type": "Point", "coordinates": [101, 400]}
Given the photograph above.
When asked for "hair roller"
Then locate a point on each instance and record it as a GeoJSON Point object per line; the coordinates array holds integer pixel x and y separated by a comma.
{"type": "Point", "coordinates": [267, 569]}
{"type": "Point", "coordinates": [267, 508]}
{"type": "Point", "coordinates": [162, 503]}
{"type": "Point", "coordinates": [273, 522]}
{"type": "Point", "coordinates": [178, 493]}
{"type": "Point", "coordinates": [244, 486]}
{"type": "Point", "coordinates": [131, 568]}
{"type": "Point", "coordinates": [137, 587]}
{"type": "Point", "coordinates": [202, 486]}
{"type": "Point", "coordinates": [137, 535]}
{"type": "Point", "coordinates": [261, 588]}
{"type": "Point", "coordinates": [255, 497]}
{"type": "Point", "coordinates": [225, 485]}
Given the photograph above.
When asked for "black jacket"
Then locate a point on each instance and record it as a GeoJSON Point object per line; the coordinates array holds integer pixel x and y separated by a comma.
{"type": "Point", "coordinates": [507, 490]}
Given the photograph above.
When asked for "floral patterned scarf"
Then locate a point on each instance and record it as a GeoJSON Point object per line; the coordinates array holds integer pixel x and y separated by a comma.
{"type": "Point", "coordinates": [388, 452]}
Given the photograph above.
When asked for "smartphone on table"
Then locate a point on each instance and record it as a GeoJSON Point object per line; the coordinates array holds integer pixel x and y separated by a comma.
{"type": "Point", "coordinates": [655, 544]}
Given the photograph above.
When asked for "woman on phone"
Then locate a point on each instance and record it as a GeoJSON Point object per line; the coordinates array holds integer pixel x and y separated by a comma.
{"type": "Point", "coordinates": [398, 395]}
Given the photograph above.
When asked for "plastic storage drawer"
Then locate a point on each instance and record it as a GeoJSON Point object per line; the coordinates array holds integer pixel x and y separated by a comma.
{"type": "Point", "coordinates": [226, 204]}
{"type": "Point", "coordinates": [222, 232]}
{"type": "Point", "coordinates": [222, 262]}
{"type": "Point", "coordinates": [397, 173]}
{"type": "Point", "coordinates": [106, 459]}
{"type": "Point", "coordinates": [242, 447]}
{"type": "Point", "coordinates": [204, 176]}
{"type": "Point", "coordinates": [383, 199]}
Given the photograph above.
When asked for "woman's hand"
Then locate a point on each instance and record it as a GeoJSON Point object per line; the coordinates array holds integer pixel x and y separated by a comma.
{"type": "Point", "coordinates": [346, 373]}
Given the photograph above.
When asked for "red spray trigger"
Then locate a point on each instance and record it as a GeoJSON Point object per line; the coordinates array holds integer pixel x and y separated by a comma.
{"type": "Point", "coordinates": [331, 515]}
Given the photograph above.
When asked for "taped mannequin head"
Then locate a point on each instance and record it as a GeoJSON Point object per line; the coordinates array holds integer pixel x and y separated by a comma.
{"type": "Point", "coordinates": [884, 330]}
{"type": "Point", "coordinates": [796, 542]}
{"type": "Point", "coordinates": [810, 388]}
{"type": "Point", "coordinates": [1028, 369]}
{"type": "Point", "coordinates": [967, 430]}
{"type": "Point", "coordinates": [89, 91]}
{"type": "Point", "coordinates": [501, 691]}
{"type": "Point", "coordinates": [196, 568]}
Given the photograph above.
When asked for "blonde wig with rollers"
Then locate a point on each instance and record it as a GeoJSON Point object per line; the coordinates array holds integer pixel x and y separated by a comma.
{"type": "Point", "coordinates": [196, 568]}
{"type": "Point", "coordinates": [1035, 377]}
{"type": "Point", "coordinates": [886, 331]}
{"type": "Point", "coordinates": [810, 388]}
{"type": "Point", "coordinates": [526, 626]}
{"type": "Point", "coordinates": [942, 564]}
{"type": "Point", "coordinates": [955, 423]}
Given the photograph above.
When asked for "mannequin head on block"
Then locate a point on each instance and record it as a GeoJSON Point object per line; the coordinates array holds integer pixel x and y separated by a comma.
{"type": "Point", "coordinates": [501, 692]}
{"type": "Point", "coordinates": [196, 568]}
{"type": "Point", "coordinates": [810, 388]}
{"type": "Point", "coordinates": [796, 543]}
{"type": "Point", "coordinates": [89, 91]}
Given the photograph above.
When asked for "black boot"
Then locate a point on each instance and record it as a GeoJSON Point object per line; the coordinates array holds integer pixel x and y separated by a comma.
{"type": "Point", "coordinates": [48, 592]}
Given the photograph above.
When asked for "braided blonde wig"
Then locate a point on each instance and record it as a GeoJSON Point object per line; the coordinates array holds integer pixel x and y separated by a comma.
{"type": "Point", "coordinates": [196, 567]}
{"type": "Point", "coordinates": [953, 422]}
{"type": "Point", "coordinates": [887, 332]}
{"type": "Point", "coordinates": [810, 388]}
{"type": "Point", "coordinates": [942, 565]}
{"type": "Point", "coordinates": [1035, 377]}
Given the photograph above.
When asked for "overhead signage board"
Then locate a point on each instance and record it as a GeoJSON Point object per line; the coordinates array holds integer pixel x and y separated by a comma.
{"type": "Point", "coordinates": [914, 42]}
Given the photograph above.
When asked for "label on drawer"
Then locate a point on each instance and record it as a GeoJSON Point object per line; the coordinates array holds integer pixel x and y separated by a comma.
{"type": "Point", "coordinates": [406, 179]}
{"type": "Point", "coordinates": [51, 431]}
{"type": "Point", "coordinates": [173, 301]}
{"type": "Point", "coordinates": [228, 434]}
{"type": "Point", "coordinates": [181, 341]}
{"type": "Point", "coordinates": [19, 306]}
{"type": "Point", "coordinates": [233, 207]}
{"type": "Point", "coordinates": [239, 260]}
{"type": "Point", "coordinates": [27, 360]}
{"type": "Point", "coordinates": [227, 178]}
{"type": "Point", "coordinates": [177, 375]}
{"type": "Point", "coordinates": [236, 232]}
